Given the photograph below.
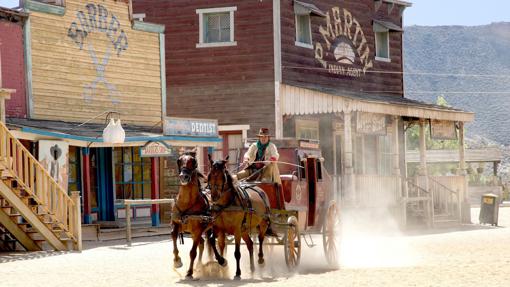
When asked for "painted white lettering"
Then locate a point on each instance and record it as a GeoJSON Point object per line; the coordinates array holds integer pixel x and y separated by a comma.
{"type": "Point", "coordinates": [348, 24]}
{"type": "Point", "coordinates": [337, 20]}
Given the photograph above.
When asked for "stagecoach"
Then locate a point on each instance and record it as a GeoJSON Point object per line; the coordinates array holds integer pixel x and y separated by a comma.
{"type": "Point", "coordinates": [304, 204]}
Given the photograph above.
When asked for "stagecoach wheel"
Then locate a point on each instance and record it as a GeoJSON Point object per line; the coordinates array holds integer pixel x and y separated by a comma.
{"type": "Point", "coordinates": [292, 244]}
{"type": "Point", "coordinates": [331, 235]}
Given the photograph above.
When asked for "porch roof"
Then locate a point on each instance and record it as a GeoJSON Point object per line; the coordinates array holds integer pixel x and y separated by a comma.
{"type": "Point", "coordinates": [91, 134]}
{"type": "Point", "coordinates": [303, 99]}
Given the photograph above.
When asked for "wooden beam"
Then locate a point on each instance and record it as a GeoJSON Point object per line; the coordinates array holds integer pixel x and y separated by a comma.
{"type": "Point", "coordinates": [490, 154]}
{"type": "Point", "coordinates": [423, 149]}
{"type": "Point", "coordinates": [18, 233]}
{"type": "Point", "coordinates": [27, 213]}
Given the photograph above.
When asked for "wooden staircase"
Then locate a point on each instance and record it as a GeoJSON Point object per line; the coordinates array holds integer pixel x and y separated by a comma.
{"type": "Point", "coordinates": [436, 206]}
{"type": "Point", "coordinates": [34, 209]}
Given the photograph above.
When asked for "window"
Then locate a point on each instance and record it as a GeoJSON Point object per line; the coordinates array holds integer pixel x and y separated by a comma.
{"type": "Point", "coordinates": [231, 145]}
{"type": "Point", "coordinates": [74, 179]}
{"type": "Point", "coordinates": [132, 174]}
{"type": "Point", "coordinates": [216, 27]}
{"type": "Point", "coordinates": [307, 129]}
{"type": "Point", "coordinates": [382, 46]}
{"type": "Point", "coordinates": [303, 31]}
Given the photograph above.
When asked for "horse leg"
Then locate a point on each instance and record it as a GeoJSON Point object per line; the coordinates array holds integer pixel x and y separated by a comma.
{"type": "Point", "coordinates": [221, 243]}
{"type": "Point", "coordinates": [200, 250]}
{"type": "Point", "coordinates": [249, 245]}
{"type": "Point", "coordinates": [175, 235]}
{"type": "Point", "coordinates": [237, 254]}
{"type": "Point", "coordinates": [193, 253]}
{"type": "Point", "coordinates": [212, 244]}
{"type": "Point", "coordinates": [262, 233]}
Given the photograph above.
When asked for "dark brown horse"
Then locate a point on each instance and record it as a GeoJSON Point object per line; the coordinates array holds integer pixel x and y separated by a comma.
{"type": "Point", "coordinates": [191, 211]}
{"type": "Point", "coordinates": [237, 212]}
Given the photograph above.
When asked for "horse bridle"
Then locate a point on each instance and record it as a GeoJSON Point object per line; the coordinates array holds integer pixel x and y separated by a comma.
{"type": "Point", "coordinates": [192, 173]}
{"type": "Point", "coordinates": [225, 182]}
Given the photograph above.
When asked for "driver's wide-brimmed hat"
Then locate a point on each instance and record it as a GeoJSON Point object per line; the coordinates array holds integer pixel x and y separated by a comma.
{"type": "Point", "coordinates": [264, 132]}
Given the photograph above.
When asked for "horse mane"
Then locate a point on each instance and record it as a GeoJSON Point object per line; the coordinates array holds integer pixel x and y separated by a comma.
{"type": "Point", "coordinates": [230, 180]}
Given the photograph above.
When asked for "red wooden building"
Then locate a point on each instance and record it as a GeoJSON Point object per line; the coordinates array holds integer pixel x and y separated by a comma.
{"type": "Point", "coordinates": [325, 70]}
{"type": "Point", "coordinates": [12, 60]}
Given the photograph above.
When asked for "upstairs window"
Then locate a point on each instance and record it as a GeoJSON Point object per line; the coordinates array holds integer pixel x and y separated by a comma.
{"type": "Point", "coordinates": [304, 12]}
{"type": "Point", "coordinates": [216, 27]}
{"type": "Point", "coordinates": [303, 31]}
{"type": "Point", "coordinates": [382, 30]}
{"type": "Point", "coordinates": [382, 46]}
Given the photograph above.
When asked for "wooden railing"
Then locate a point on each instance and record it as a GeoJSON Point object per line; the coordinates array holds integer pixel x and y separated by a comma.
{"type": "Point", "coordinates": [377, 190]}
{"type": "Point", "coordinates": [447, 194]}
{"type": "Point", "coordinates": [38, 183]}
{"type": "Point", "coordinates": [134, 202]}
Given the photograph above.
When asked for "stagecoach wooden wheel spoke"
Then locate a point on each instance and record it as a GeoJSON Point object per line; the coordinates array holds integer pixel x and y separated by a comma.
{"type": "Point", "coordinates": [331, 234]}
{"type": "Point", "coordinates": [292, 244]}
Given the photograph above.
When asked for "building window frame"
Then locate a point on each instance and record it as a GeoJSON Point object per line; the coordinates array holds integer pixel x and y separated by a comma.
{"type": "Point", "coordinates": [127, 160]}
{"type": "Point", "coordinates": [297, 41]}
{"type": "Point", "coordinates": [378, 56]}
{"type": "Point", "coordinates": [311, 125]}
{"type": "Point", "coordinates": [202, 13]}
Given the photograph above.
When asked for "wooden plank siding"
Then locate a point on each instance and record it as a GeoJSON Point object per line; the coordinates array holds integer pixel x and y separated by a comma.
{"type": "Point", "coordinates": [233, 84]}
{"type": "Point", "coordinates": [299, 64]}
{"type": "Point", "coordinates": [12, 68]}
{"type": "Point", "coordinates": [62, 71]}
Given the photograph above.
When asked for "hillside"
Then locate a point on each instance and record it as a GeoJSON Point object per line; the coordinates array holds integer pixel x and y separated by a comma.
{"type": "Point", "coordinates": [474, 52]}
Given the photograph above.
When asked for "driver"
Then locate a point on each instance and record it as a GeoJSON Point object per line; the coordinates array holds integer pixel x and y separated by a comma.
{"type": "Point", "coordinates": [262, 150]}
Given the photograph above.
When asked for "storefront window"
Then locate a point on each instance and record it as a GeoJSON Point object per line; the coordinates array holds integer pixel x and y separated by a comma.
{"type": "Point", "coordinates": [132, 174]}
{"type": "Point", "coordinates": [307, 129]}
{"type": "Point", "coordinates": [94, 183]}
{"type": "Point", "coordinates": [74, 180]}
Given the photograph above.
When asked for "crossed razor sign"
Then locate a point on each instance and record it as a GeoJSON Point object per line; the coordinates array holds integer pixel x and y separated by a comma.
{"type": "Point", "coordinates": [90, 89]}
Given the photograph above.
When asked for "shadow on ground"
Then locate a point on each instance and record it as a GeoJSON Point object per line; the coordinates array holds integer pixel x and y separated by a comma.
{"type": "Point", "coordinates": [21, 256]}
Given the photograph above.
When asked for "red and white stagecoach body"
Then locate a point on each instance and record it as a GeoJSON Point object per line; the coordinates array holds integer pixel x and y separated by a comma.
{"type": "Point", "coordinates": [305, 203]}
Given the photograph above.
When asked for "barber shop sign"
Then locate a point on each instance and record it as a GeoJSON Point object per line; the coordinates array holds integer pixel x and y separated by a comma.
{"type": "Point", "coordinates": [97, 19]}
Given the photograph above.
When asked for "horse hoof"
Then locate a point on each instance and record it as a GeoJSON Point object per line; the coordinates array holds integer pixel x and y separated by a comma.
{"type": "Point", "coordinates": [261, 261]}
{"type": "Point", "coordinates": [223, 263]}
{"type": "Point", "coordinates": [237, 277]}
{"type": "Point", "coordinates": [190, 278]}
{"type": "Point", "coordinates": [177, 263]}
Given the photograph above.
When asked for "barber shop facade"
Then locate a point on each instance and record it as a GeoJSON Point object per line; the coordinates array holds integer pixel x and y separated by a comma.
{"type": "Point", "coordinates": [89, 64]}
{"type": "Point", "coordinates": [329, 71]}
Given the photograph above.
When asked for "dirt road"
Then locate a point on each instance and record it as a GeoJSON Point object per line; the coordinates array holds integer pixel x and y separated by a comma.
{"type": "Point", "coordinates": [473, 256]}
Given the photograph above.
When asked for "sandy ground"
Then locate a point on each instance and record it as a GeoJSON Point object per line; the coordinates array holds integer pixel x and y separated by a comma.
{"type": "Point", "coordinates": [377, 255]}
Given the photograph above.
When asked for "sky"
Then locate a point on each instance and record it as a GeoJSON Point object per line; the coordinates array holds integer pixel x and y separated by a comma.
{"type": "Point", "coordinates": [456, 12]}
{"type": "Point", "coordinates": [437, 12]}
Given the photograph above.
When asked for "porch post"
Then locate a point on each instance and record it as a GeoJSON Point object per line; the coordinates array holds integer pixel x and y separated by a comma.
{"type": "Point", "coordinates": [423, 150]}
{"type": "Point", "coordinates": [466, 207]}
{"type": "Point", "coordinates": [87, 210]}
{"type": "Point", "coordinates": [400, 203]}
{"type": "Point", "coordinates": [396, 148]}
{"type": "Point", "coordinates": [348, 161]}
{"type": "Point", "coordinates": [423, 179]}
{"type": "Point", "coordinates": [155, 190]}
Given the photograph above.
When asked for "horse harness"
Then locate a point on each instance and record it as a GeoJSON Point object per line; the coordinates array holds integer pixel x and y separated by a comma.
{"type": "Point", "coordinates": [183, 216]}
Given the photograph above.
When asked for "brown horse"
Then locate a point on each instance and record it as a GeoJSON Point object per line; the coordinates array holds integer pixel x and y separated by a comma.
{"type": "Point", "coordinates": [237, 212]}
{"type": "Point", "coordinates": [191, 211]}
